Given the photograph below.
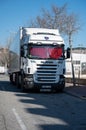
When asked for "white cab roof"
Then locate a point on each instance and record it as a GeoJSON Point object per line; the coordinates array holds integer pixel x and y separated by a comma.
{"type": "Point", "coordinates": [42, 35]}
{"type": "Point", "coordinates": [41, 30]}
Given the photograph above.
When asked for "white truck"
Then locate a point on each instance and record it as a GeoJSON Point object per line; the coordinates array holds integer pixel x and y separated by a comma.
{"type": "Point", "coordinates": [37, 59]}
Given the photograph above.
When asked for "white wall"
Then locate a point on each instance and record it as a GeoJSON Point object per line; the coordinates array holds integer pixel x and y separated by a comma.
{"type": "Point", "coordinates": [78, 60]}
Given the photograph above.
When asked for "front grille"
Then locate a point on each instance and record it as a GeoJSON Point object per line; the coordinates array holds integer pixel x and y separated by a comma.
{"type": "Point", "coordinates": [46, 73]}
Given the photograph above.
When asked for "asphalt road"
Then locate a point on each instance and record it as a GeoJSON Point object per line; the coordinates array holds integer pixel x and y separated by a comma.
{"type": "Point", "coordinates": [39, 111]}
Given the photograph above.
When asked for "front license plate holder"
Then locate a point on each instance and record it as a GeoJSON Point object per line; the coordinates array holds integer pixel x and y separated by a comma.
{"type": "Point", "coordinates": [46, 87]}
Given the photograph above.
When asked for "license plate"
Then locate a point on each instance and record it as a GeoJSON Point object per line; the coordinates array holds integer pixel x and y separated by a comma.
{"type": "Point", "coordinates": [45, 90]}
{"type": "Point", "coordinates": [46, 86]}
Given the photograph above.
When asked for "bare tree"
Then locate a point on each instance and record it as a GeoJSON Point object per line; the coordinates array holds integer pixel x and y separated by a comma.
{"type": "Point", "coordinates": [59, 18]}
{"type": "Point", "coordinates": [4, 52]}
{"type": "Point", "coordinates": [4, 57]}
{"type": "Point", "coordinates": [72, 26]}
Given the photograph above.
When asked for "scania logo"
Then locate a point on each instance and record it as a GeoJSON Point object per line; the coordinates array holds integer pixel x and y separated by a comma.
{"type": "Point", "coordinates": [46, 38]}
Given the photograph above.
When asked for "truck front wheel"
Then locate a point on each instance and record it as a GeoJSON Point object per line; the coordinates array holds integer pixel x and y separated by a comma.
{"type": "Point", "coordinates": [61, 87]}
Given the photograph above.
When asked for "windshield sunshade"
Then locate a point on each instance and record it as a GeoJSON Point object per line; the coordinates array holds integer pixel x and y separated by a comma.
{"type": "Point", "coordinates": [46, 52]}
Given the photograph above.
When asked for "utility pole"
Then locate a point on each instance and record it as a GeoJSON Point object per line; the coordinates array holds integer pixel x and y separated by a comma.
{"type": "Point", "coordinates": [72, 66]}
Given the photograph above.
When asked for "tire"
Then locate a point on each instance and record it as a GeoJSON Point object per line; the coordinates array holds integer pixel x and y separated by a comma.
{"type": "Point", "coordinates": [11, 78]}
{"type": "Point", "coordinates": [22, 84]}
{"type": "Point", "coordinates": [61, 88]}
{"type": "Point", "coordinates": [17, 80]}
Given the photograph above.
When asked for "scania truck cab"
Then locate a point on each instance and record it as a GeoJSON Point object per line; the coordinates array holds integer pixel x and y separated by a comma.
{"type": "Point", "coordinates": [41, 60]}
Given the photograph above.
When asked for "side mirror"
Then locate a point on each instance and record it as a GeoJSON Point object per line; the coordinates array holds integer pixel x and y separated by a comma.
{"type": "Point", "coordinates": [68, 53]}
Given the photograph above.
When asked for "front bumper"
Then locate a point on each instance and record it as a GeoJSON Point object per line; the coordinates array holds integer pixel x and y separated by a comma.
{"type": "Point", "coordinates": [30, 84]}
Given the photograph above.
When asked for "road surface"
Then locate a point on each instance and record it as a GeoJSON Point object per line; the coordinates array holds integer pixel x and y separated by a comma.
{"type": "Point", "coordinates": [39, 111]}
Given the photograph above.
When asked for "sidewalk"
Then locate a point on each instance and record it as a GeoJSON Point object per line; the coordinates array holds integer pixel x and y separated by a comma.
{"type": "Point", "coordinates": [78, 91]}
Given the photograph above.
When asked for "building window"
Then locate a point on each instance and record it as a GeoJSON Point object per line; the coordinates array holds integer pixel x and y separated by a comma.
{"type": "Point", "coordinates": [83, 68]}
{"type": "Point", "coordinates": [76, 62]}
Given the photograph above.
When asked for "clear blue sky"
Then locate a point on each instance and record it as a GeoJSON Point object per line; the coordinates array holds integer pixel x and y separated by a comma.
{"type": "Point", "coordinates": [16, 13]}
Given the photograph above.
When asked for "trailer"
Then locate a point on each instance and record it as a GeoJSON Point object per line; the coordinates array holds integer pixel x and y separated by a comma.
{"type": "Point", "coordinates": [37, 59]}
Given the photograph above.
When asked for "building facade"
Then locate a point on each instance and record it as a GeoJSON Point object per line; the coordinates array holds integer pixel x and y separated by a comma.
{"type": "Point", "coordinates": [79, 63]}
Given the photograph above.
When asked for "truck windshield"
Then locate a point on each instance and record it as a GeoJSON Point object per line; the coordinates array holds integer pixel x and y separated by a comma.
{"type": "Point", "coordinates": [45, 52]}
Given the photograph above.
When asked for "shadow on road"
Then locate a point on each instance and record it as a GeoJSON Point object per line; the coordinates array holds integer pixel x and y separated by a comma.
{"type": "Point", "coordinates": [7, 86]}
{"type": "Point", "coordinates": [51, 111]}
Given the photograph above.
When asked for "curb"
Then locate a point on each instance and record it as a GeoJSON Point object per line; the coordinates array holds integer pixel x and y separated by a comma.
{"type": "Point", "coordinates": [75, 95]}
